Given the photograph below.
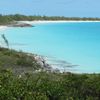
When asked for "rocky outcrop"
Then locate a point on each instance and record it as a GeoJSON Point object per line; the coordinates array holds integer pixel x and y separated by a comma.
{"type": "Point", "coordinates": [46, 67]}
{"type": "Point", "coordinates": [20, 25]}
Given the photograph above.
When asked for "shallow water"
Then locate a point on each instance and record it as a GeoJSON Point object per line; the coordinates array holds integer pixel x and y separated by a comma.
{"type": "Point", "coordinates": [63, 44]}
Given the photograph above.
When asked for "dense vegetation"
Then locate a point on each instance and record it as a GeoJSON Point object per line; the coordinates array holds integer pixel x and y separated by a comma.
{"type": "Point", "coordinates": [33, 85]}
{"type": "Point", "coordinates": [49, 86]}
{"type": "Point", "coordinates": [8, 19]}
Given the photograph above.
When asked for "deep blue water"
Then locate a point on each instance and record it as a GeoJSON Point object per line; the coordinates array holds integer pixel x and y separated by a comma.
{"type": "Point", "coordinates": [76, 43]}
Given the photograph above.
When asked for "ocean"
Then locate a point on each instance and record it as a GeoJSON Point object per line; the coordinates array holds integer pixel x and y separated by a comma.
{"type": "Point", "coordinates": [70, 46]}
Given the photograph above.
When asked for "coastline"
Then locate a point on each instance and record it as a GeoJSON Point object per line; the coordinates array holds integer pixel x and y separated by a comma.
{"type": "Point", "coordinates": [40, 22]}
{"type": "Point", "coordinates": [3, 27]}
{"type": "Point", "coordinates": [50, 21]}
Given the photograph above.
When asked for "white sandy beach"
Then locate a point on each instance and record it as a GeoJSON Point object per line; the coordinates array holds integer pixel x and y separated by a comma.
{"type": "Point", "coordinates": [60, 21]}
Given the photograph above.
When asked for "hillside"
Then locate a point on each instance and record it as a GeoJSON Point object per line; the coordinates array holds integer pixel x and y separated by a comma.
{"type": "Point", "coordinates": [20, 81]}
{"type": "Point", "coordinates": [19, 62]}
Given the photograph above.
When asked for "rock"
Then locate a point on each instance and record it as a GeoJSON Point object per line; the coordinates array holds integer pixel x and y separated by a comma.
{"type": "Point", "coordinates": [21, 25]}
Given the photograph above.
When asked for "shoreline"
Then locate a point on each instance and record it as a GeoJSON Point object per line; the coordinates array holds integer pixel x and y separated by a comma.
{"type": "Point", "coordinates": [58, 21]}
{"type": "Point", "coordinates": [3, 27]}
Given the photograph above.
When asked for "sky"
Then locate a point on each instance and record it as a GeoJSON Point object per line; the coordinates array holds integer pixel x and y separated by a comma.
{"type": "Point", "coordinates": [68, 8]}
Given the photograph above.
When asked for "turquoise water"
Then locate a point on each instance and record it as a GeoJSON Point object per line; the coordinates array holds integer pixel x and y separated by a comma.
{"type": "Point", "coordinates": [76, 43]}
